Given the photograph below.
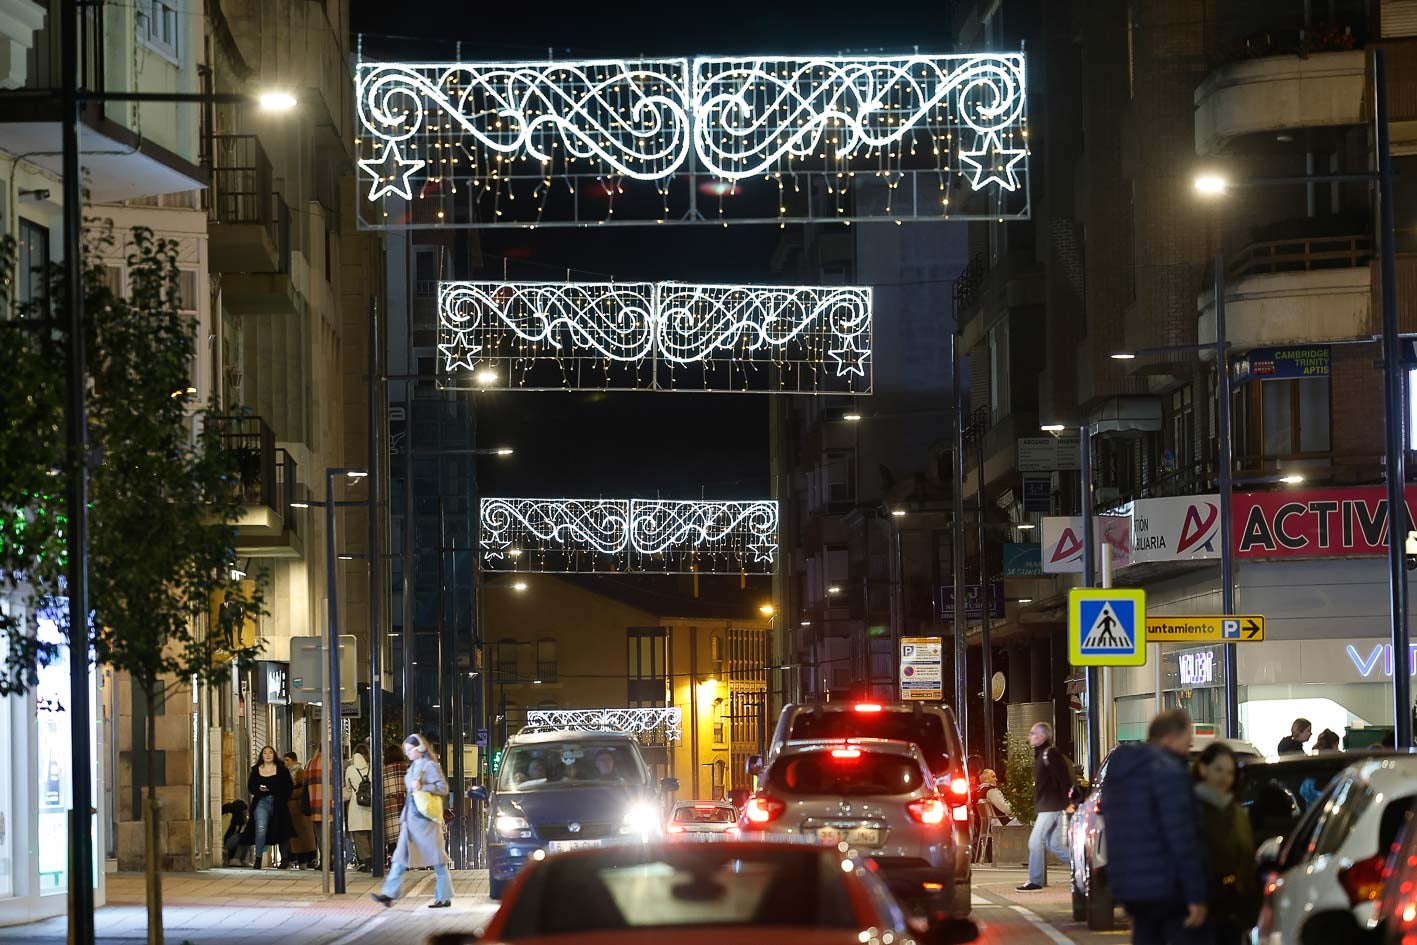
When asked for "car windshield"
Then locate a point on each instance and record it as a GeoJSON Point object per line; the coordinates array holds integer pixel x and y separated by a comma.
{"type": "Point", "coordinates": [925, 729]}
{"type": "Point", "coordinates": [637, 887]}
{"type": "Point", "coordinates": [846, 771]}
{"type": "Point", "coordinates": [705, 815]}
{"type": "Point", "coordinates": [557, 764]}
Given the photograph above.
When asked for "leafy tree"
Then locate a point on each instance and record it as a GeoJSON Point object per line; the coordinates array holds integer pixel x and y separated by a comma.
{"type": "Point", "coordinates": [163, 501]}
{"type": "Point", "coordinates": [1018, 779]}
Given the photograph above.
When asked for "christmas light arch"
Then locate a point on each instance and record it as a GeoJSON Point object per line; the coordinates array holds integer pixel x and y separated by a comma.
{"type": "Point", "coordinates": [662, 722]}
{"type": "Point", "coordinates": [714, 139]}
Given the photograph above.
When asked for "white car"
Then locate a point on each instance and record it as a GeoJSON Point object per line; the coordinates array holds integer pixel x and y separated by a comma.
{"type": "Point", "coordinates": [1330, 869]}
{"type": "Point", "coordinates": [695, 817]}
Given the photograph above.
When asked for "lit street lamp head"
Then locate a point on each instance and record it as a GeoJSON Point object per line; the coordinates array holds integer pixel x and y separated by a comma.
{"type": "Point", "coordinates": [1293, 479]}
{"type": "Point", "coordinates": [1053, 427]}
{"type": "Point", "coordinates": [1123, 356]}
{"type": "Point", "coordinates": [486, 377]}
{"type": "Point", "coordinates": [1211, 185]}
{"type": "Point", "coordinates": [276, 101]}
{"type": "Point", "coordinates": [504, 451]}
{"type": "Point", "coordinates": [519, 586]}
{"type": "Point", "coordinates": [851, 417]}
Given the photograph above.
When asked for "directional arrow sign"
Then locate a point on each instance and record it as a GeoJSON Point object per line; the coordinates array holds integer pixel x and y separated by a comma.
{"type": "Point", "coordinates": [1211, 628]}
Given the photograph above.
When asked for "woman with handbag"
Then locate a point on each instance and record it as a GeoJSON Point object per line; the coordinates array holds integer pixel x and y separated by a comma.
{"type": "Point", "coordinates": [1234, 886]}
{"type": "Point", "coordinates": [421, 838]}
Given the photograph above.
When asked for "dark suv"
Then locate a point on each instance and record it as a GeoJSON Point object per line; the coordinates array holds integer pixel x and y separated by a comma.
{"type": "Point", "coordinates": [563, 791]}
{"type": "Point", "coordinates": [931, 727]}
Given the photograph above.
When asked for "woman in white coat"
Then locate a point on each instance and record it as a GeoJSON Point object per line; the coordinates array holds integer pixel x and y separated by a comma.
{"type": "Point", "coordinates": [359, 817]}
{"type": "Point", "coordinates": [421, 841]}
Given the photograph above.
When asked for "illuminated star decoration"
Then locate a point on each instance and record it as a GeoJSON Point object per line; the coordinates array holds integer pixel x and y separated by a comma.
{"type": "Point", "coordinates": [997, 164]}
{"type": "Point", "coordinates": [460, 351]}
{"type": "Point", "coordinates": [763, 551]}
{"type": "Point", "coordinates": [849, 358]}
{"type": "Point", "coordinates": [391, 172]}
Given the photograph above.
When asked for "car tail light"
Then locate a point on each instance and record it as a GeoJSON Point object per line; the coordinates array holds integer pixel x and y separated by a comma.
{"type": "Point", "coordinates": [867, 707]}
{"type": "Point", "coordinates": [1363, 881]}
{"type": "Point", "coordinates": [959, 787]}
{"type": "Point", "coordinates": [961, 813]}
{"type": "Point", "coordinates": [928, 810]}
{"type": "Point", "coordinates": [732, 831]}
{"type": "Point", "coordinates": [705, 807]}
{"type": "Point", "coordinates": [846, 754]}
{"type": "Point", "coordinates": [674, 828]}
{"type": "Point", "coordinates": [762, 810]}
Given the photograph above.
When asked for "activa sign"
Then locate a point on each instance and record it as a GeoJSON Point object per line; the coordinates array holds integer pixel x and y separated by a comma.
{"type": "Point", "coordinates": [1314, 522]}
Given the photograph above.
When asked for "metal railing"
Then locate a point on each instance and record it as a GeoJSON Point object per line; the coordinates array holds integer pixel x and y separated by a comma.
{"type": "Point", "coordinates": [265, 475]}
{"type": "Point", "coordinates": [243, 190]}
{"type": "Point", "coordinates": [1302, 254]}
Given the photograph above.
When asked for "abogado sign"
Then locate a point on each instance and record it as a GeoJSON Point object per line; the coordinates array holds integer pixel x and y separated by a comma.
{"type": "Point", "coordinates": [1306, 523]}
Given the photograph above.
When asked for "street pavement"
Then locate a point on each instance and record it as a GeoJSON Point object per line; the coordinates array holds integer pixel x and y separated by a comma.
{"type": "Point", "coordinates": [239, 906]}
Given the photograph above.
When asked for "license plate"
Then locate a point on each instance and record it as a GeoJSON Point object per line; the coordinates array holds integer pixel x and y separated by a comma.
{"type": "Point", "coordinates": [855, 836]}
{"type": "Point", "coordinates": [560, 846]}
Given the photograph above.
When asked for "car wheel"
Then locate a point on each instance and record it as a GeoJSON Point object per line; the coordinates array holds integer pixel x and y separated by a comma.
{"type": "Point", "coordinates": [1098, 907]}
{"type": "Point", "coordinates": [495, 889]}
{"type": "Point", "coordinates": [964, 896]}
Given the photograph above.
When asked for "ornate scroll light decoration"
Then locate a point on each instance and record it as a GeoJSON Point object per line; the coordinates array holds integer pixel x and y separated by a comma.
{"type": "Point", "coordinates": [666, 722]}
{"type": "Point", "coordinates": [677, 141]}
{"type": "Point", "coordinates": [656, 336]}
{"type": "Point", "coordinates": [628, 535]}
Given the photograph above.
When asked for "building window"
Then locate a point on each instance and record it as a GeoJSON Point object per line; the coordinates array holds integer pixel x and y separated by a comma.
{"type": "Point", "coordinates": [646, 667]}
{"type": "Point", "coordinates": [425, 273]}
{"type": "Point", "coordinates": [158, 26]}
{"type": "Point", "coordinates": [33, 288]}
{"type": "Point", "coordinates": [1179, 432]}
{"type": "Point", "coordinates": [999, 405]}
{"type": "Point", "coordinates": [508, 668]}
{"type": "Point", "coordinates": [547, 669]}
{"type": "Point", "coordinates": [719, 770]}
{"type": "Point", "coordinates": [718, 726]}
{"type": "Point", "coordinates": [1287, 418]}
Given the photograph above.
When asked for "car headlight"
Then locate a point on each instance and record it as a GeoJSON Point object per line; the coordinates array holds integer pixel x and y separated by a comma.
{"type": "Point", "coordinates": [511, 826]}
{"type": "Point", "coordinates": [642, 817]}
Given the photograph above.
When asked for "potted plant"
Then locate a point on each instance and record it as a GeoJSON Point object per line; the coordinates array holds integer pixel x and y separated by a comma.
{"type": "Point", "coordinates": [1011, 840]}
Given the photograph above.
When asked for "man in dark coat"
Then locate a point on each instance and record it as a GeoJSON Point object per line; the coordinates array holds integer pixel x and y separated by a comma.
{"type": "Point", "coordinates": [1053, 782]}
{"type": "Point", "coordinates": [1155, 856]}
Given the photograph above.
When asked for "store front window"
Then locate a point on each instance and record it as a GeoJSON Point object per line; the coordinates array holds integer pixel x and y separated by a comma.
{"type": "Point", "coordinates": [7, 831]}
{"type": "Point", "coordinates": [52, 721]}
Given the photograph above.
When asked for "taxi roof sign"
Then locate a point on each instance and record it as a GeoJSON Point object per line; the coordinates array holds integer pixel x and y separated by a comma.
{"type": "Point", "coordinates": [1106, 626]}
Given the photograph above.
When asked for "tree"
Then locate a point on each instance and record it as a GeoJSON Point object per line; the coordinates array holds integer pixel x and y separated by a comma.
{"type": "Point", "coordinates": [164, 499]}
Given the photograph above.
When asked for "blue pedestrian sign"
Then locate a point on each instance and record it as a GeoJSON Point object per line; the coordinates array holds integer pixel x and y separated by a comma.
{"type": "Point", "coordinates": [1106, 626]}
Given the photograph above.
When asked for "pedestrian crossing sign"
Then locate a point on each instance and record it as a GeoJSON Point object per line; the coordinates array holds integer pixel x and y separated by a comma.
{"type": "Point", "coordinates": [1106, 626]}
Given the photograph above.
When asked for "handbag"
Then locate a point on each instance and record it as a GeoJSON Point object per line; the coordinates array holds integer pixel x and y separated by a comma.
{"type": "Point", "coordinates": [428, 805]}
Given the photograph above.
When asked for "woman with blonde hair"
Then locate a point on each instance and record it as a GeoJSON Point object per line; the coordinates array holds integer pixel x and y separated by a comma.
{"type": "Point", "coordinates": [421, 841]}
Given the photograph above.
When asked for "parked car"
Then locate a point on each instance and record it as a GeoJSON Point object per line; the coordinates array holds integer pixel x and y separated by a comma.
{"type": "Point", "coordinates": [566, 790]}
{"type": "Point", "coordinates": [878, 799]}
{"type": "Point", "coordinates": [691, 818]}
{"type": "Point", "coordinates": [932, 727]}
{"type": "Point", "coordinates": [704, 893]}
{"type": "Point", "coordinates": [1276, 792]}
{"type": "Point", "coordinates": [1328, 873]}
{"type": "Point", "coordinates": [1091, 899]}
{"type": "Point", "coordinates": [1394, 917]}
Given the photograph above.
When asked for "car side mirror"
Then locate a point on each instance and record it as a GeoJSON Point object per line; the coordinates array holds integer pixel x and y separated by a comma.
{"type": "Point", "coordinates": [478, 793]}
{"type": "Point", "coordinates": [951, 931]}
{"type": "Point", "coordinates": [754, 765]}
{"type": "Point", "coordinates": [668, 785]}
{"type": "Point", "coordinates": [1267, 856]}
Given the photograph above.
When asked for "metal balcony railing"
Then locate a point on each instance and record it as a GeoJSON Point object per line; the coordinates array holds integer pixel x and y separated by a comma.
{"type": "Point", "coordinates": [266, 476]}
{"type": "Point", "coordinates": [243, 190]}
{"type": "Point", "coordinates": [1263, 28]}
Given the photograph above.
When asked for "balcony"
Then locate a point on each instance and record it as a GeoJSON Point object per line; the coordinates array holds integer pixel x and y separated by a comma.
{"type": "Point", "coordinates": [249, 222]}
{"type": "Point", "coordinates": [19, 21]}
{"type": "Point", "coordinates": [1294, 291]}
{"type": "Point", "coordinates": [1276, 93]}
{"type": "Point", "coordinates": [267, 483]}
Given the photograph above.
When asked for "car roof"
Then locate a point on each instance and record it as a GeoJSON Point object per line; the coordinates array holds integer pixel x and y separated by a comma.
{"type": "Point", "coordinates": [1393, 770]}
{"type": "Point", "coordinates": [900, 707]}
{"type": "Point", "coordinates": [1324, 759]}
{"type": "Point", "coordinates": [727, 805]}
{"type": "Point", "coordinates": [886, 746]}
{"type": "Point", "coordinates": [1237, 745]}
{"type": "Point", "coordinates": [541, 738]}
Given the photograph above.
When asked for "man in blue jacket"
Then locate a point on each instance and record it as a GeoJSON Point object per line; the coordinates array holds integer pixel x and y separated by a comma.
{"type": "Point", "coordinates": [1155, 856]}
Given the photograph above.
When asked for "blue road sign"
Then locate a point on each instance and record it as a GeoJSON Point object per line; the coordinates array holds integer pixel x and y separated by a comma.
{"type": "Point", "coordinates": [1106, 627]}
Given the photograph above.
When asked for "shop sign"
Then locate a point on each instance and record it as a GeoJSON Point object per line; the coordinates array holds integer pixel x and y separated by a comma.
{"type": "Point", "coordinates": [1062, 541]}
{"type": "Point", "coordinates": [1197, 669]}
{"type": "Point", "coordinates": [1176, 528]}
{"type": "Point", "coordinates": [974, 601]}
{"type": "Point", "coordinates": [1283, 364]}
{"type": "Point", "coordinates": [1308, 523]}
{"type": "Point", "coordinates": [1022, 559]}
{"type": "Point", "coordinates": [1040, 454]}
{"type": "Point", "coordinates": [921, 673]}
{"type": "Point", "coordinates": [1037, 493]}
{"type": "Point", "coordinates": [1375, 658]}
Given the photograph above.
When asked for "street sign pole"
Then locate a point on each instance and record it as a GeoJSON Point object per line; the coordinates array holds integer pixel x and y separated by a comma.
{"type": "Point", "coordinates": [1094, 722]}
{"type": "Point", "coordinates": [1224, 460]}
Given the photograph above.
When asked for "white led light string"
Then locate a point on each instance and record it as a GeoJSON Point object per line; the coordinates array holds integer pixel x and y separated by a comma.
{"type": "Point", "coordinates": [666, 722]}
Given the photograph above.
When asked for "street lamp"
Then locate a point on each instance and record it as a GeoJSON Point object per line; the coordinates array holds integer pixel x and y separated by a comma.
{"type": "Point", "coordinates": [276, 101]}
{"type": "Point", "coordinates": [1211, 185]}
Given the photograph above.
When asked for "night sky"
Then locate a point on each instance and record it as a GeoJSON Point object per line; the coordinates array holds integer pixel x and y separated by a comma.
{"type": "Point", "coordinates": [677, 445]}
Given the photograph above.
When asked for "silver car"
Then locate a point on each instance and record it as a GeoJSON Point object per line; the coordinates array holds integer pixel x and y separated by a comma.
{"type": "Point", "coordinates": [700, 817]}
{"type": "Point", "coordinates": [873, 797]}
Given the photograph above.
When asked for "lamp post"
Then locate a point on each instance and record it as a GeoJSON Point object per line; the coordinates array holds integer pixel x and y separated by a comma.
{"type": "Point", "coordinates": [333, 768]}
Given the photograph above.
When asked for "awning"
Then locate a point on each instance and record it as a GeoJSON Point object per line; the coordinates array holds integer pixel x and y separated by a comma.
{"type": "Point", "coordinates": [1135, 413]}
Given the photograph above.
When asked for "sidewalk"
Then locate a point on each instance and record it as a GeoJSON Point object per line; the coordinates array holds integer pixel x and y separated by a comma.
{"type": "Point", "coordinates": [239, 905]}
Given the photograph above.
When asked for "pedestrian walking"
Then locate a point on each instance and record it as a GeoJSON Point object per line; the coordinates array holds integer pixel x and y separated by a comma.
{"type": "Point", "coordinates": [302, 832]}
{"type": "Point", "coordinates": [1230, 843]}
{"type": "Point", "coordinates": [269, 823]}
{"type": "Point", "coordinates": [395, 767]}
{"type": "Point", "coordinates": [1327, 741]}
{"type": "Point", "coordinates": [421, 841]}
{"type": "Point", "coordinates": [1053, 782]}
{"type": "Point", "coordinates": [1156, 862]}
{"type": "Point", "coordinates": [359, 806]}
{"type": "Point", "coordinates": [1299, 733]}
{"type": "Point", "coordinates": [315, 792]}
